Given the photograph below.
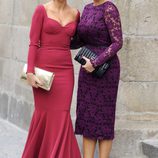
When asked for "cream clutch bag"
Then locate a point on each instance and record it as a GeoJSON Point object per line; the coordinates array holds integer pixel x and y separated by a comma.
{"type": "Point", "coordinates": [46, 77]}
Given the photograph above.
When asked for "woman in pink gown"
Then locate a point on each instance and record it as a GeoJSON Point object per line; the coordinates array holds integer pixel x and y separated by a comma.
{"type": "Point", "coordinates": [51, 132]}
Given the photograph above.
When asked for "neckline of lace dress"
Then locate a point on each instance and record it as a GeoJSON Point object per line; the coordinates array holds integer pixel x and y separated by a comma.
{"type": "Point", "coordinates": [100, 4]}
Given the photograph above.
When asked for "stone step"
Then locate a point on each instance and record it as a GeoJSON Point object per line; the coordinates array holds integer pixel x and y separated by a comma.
{"type": "Point", "coordinates": [150, 148]}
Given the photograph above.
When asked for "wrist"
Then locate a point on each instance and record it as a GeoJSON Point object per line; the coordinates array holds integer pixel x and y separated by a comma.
{"type": "Point", "coordinates": [30, 73]}
{"type": "Point", "coordinates": [93, 62]}
{"type": "Point", "coordinates": [30, 70]}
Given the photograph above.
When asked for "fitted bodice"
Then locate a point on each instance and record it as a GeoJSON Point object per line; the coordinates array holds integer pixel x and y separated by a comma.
{"type": "Point", "coordinates": [54, 34]}
{"type": "Point", "coordinates": [49, 34]}
{"type": "Point", "coordinates": [92, 28]}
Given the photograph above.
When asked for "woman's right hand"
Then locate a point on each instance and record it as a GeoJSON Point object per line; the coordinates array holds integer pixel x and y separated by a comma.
{"type": "Point", "coordinates": [33, 80]}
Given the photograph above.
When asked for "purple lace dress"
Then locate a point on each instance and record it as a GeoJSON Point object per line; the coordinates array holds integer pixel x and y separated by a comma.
{"type": "Point", "coordinates": [100, 30]}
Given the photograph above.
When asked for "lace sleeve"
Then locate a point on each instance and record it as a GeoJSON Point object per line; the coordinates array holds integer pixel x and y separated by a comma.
{"type": "Point", "coordinates": [113, 23]}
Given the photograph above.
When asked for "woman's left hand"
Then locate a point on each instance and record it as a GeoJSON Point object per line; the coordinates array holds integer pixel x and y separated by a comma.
{"type": "Point", "coordinates": [88, 66]}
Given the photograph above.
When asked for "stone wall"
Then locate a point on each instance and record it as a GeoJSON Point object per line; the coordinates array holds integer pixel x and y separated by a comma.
{"type": "Point", "coordinates": [137, 110]}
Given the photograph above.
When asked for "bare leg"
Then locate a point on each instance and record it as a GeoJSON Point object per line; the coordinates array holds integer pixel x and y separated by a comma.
{"type": "Point", "coordinates": [105, 148]}
{"type": "Point", "coordinates": [88, 147]}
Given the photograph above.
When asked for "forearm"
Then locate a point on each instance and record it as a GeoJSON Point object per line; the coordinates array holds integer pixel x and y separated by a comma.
{"type": "Point", "coordinates": [35, 32]}
{"type": "Point", "coordinates": [31, 59]}
{"type": "Point", "coordinates": [107, 54]}
{"type": "Point", "coordinates": [113, 25]}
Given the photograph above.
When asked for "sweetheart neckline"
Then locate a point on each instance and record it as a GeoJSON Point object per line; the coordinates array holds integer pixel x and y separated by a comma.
{"type": "Point", "coordinates": [60, 23]}
{"type": "Point", "coordinates": [56, 20]}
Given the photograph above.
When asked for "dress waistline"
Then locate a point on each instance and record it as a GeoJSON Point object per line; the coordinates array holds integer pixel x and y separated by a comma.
{"type": "Point", "coordinates": [96, 46]}
{"type": "Point", "coordinates": [54, 48]}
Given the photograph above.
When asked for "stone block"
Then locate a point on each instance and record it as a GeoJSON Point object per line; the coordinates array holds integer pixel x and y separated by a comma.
{"type": "Point", "coordinates": [6, 11]}
{"type": "Point", "coordinates": [23, 11]}
{"type": "Point", "coordinates": [20, 37]}
{"type": "Point", "coordinates": [5, 41]}
{"type": "Point", "coordinates": [7, 74]}
{"type": "Point", "coordinates": [139, 116]}
{"type": "Point", "coordinates": [138, 17]}
{"type": "Point", "coordinates": [124, 142]}
{"type": "Point", "coordinates": [140, 57]}
{"type": "Point", "coordinates": [138, 97]}
{"type": "Point", "coordinates": [128, 138]}
{"type": "Point", "coordinates": [24, 91]}
{"type": "Point", "coordinates": [4, 99]}
{"type": "Point", "coordinates": [143, 17]}
{"type": "Point", "coordinates": [123, 7]}
{"type": "Point", "coordinates": [10, 71]}
{"type": "Point", "coordinates": [150, 148]}
{"type": "Point", "coordinates": [123, 57]}
{"type": "Point", "coordinates": [1, 67]}
{"type": "Point", "coordinates": [20, 112]}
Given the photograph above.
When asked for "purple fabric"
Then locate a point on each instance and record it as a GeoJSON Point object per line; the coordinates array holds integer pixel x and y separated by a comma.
{"type": "Point", "coordinates": [100, 30]}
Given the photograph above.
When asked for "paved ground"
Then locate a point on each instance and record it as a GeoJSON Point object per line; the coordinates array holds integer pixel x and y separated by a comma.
{"type": "Point", "coordinates": [12, 140]}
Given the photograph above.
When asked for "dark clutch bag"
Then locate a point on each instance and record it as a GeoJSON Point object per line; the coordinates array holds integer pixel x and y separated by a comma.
{"type": "Point", "coordinates": [100, 70]}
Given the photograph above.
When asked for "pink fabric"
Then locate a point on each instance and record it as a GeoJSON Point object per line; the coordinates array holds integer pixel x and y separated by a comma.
{"type": "Point", "coordinates": [51, 132]}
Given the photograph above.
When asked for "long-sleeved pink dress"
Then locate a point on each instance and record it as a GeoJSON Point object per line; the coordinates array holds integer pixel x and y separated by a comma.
{"type": "Point", "coordinates": [51, 132]}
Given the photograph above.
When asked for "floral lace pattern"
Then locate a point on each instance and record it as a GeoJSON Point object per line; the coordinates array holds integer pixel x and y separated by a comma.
{"type": "Point", "coordinates": [113, 23]}
{"type": "Point", "coordinates": [100, 30]}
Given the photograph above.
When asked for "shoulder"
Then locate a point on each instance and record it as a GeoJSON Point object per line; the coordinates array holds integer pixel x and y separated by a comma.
{"type": "Point", "coordinates": [38, 11]}
{"type": "Point", "coordinates": [74, 11]}
{"type": "Point", "coordinates": [39, 8]}
{"type": "Point", "coordinates": [87, 6]}
{"type": "Point", "coordinates": [111, 8]}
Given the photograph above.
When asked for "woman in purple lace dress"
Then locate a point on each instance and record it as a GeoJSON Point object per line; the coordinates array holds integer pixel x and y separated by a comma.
{"type": "Point", "coordinates": [100, 31]}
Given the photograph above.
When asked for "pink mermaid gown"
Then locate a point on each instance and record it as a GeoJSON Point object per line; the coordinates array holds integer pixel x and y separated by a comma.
{"type": "Point", "coordinates": [51, 132]}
